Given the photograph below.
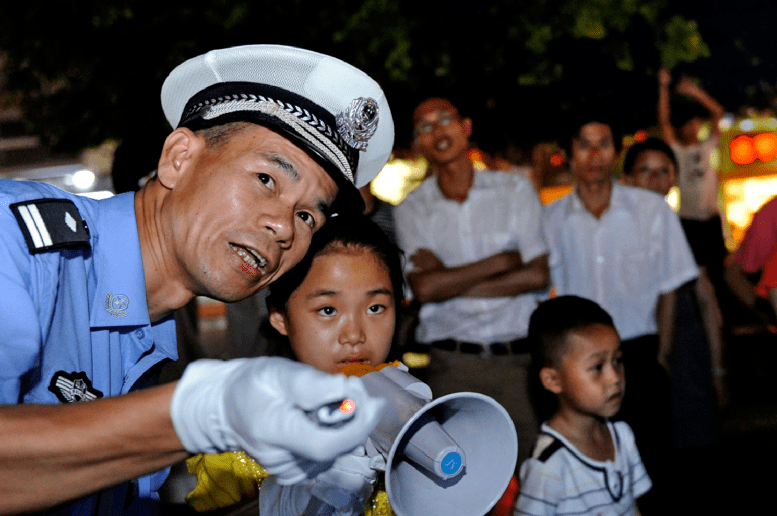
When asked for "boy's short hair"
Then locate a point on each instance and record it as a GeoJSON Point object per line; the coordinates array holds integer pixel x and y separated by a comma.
{"type": "Point", "coordinates": [652, 143]}
{"type": "Point", "coordinates": [554, 319]}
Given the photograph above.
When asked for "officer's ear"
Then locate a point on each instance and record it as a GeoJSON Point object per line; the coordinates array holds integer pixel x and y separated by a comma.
{"type": "Point", "coordinates": [177, 152]}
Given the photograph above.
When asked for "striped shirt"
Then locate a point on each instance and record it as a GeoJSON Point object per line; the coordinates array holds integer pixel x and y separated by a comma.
{"type": "Point", "coordinates": [558, 479]}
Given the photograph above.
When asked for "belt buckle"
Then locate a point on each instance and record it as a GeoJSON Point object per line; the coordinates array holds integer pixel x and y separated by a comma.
{"type": "Point", "coordinates": [487, 352]}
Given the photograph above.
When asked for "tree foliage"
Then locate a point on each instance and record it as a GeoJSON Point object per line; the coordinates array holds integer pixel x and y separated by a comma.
{"type": "Point", "coordinates": [89, 70]}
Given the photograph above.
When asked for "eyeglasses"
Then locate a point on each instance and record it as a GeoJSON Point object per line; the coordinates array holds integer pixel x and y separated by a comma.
{"type": "Point", "coordinates": [427, 127]}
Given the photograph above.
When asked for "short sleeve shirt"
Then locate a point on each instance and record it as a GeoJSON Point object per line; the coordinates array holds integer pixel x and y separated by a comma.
{"type": "Point", "coordinates": [758, 250]}
{"type": "Point", "coordinates": [760, 239]}
{"type": "Point", "coordinates": [768, 278]}
{"type": "Point", "coordinates": [624, 260]}
{"type": "Point", "coordinates": [502, 212]}
{"type": "Point", "coordinates": [558, 479]}
{"type": "Point", "coordinates": [75, 321]}
{"type": "Point", "coordinates": [697, 179]}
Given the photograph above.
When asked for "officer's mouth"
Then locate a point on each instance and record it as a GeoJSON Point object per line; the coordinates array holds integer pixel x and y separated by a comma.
{"type": "Point", "coordinates": [250, 257]}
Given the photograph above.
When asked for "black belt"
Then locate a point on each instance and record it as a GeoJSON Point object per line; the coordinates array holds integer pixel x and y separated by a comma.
{"type": "Point", "coordinates": [514, 347]}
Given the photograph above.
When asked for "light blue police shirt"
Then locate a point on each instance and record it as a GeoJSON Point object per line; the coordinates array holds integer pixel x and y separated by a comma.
{"type": "Point", "coordinates": [74, 323]}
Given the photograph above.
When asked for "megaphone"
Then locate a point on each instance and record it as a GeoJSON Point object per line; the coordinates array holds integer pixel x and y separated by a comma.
{"type": "Point", "coordinates": [452, 455]}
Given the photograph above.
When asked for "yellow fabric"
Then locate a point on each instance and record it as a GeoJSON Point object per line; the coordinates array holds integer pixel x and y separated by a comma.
{"type": "Point", "coordinates": [378, 504]}
{"type": "Point", "coordinates": [223, 480]}
{"type": "Point", "coordinates": [228, 478]}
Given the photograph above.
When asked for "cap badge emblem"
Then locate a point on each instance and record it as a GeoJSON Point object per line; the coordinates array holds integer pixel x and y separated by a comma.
{"type": "Point", "coordinates": [358, 122]}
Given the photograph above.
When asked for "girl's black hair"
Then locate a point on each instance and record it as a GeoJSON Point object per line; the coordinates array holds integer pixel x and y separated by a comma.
{"type": "Point", "coordinates": [350, 232]}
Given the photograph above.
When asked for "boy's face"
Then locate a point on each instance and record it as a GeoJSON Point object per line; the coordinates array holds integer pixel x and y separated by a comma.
{"type": "Point", "coordinates": [589, 378]}
{"type": "Point", "coordinates": [653, 170]}
{"type": "Point", "coordinates": [343, 312]}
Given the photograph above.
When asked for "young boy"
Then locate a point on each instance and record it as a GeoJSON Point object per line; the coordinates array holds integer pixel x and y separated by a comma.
{"type": "Point", "coordinates": [582, 463]}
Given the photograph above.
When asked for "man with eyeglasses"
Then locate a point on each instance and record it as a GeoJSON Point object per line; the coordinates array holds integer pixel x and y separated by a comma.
{"type": "Point", "coordinates": [476, 254]}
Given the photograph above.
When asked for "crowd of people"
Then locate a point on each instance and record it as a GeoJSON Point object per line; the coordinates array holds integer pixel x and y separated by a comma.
{"type": "Point", "coordinates": [482, 253]}
{"type": "Point", "coordinates": [625, 272]}
{"type": "Point", "coordinates": [594, 320]}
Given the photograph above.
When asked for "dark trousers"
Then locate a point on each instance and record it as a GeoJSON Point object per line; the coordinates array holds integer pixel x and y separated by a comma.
{"type": "Point", "coordinates": [647, 409]}
{"type": "Point", "coordinates": [503, 377]}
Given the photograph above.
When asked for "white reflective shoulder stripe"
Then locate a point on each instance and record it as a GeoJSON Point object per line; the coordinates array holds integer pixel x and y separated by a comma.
{"type": "Point", "coordinates": [36, 238]}
{"type": "Point", "coordinates": [44, 233]}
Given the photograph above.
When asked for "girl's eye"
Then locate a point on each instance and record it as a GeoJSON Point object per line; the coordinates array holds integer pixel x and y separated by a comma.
{"type": "Point", "coordinates": [376, 309]}
{"type": "Point", "coordinates": [598, 367]}
{"type": "Point", "coordinates": [307, 218]}
{"type": "Point", "coordinates": [266, 180]}
{"type": "Point", "coordinates": [327, 311]}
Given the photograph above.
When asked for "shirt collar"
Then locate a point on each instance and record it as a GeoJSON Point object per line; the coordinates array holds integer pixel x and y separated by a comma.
{"type": "Point", "coordinates": [120, 296]}
{"type": "Point", "coordinates": [477, 182]}
{"type": "Point", "coordinates": [618, 200]}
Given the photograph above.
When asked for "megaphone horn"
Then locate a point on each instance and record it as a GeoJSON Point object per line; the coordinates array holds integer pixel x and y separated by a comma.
{"type": "Point", "coordinates": [453, 455]}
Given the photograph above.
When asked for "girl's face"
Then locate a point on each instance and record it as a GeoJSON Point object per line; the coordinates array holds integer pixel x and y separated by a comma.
{"type": "Point", "coordinates": [343, 312]}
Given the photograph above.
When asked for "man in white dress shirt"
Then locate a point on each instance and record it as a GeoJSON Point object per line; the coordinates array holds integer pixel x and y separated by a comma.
{"type": "Point", "coordinates": [476, 254]}
{"type": "Point", "coordinates": [624, 248]}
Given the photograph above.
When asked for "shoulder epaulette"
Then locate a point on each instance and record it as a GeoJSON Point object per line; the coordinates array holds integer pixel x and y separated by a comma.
{"type": "Point", "coordinates": [49, 224]}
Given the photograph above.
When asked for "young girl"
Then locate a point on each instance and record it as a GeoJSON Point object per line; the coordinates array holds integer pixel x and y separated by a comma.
{"type": "Point", "coordinates": [338, 308]}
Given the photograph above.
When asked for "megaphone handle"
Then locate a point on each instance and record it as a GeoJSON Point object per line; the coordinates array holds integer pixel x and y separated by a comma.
{"type": "Point", "coordinates": [318, 507]}
{"type": "Point", "coordinates": [333, 495]}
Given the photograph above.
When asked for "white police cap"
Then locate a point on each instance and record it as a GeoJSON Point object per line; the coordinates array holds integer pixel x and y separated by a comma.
{"type": "Point", "coordinates": [333, 110]}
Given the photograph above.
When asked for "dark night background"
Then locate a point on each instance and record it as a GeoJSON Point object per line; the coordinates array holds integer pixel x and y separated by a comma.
{"type": "Point", "coordinates": [86, 71]}
{"type": "Point", "coordinates": [90, 70]}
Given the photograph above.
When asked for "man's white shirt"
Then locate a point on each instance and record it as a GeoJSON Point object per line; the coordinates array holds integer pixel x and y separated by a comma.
{"type": "Point", "coordinates": [624, 260]}
{"type": "Point", "coordinates": [502, 212]}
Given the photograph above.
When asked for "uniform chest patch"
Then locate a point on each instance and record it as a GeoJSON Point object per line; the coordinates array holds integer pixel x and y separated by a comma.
{"type": "Point", "coordinates": [49, 224]}
{"type": "Point", "coordinates": [73, 387]}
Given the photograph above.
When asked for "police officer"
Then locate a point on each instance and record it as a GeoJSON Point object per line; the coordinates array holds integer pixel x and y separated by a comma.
{"type": "Point", "coordinates": [269, 141]}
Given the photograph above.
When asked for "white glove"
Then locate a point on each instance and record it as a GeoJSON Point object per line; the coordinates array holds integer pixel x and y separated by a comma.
{"type": "Point", "coordinates": [259, 405]}
{"type": "Point", "coordinates": [345, 487]}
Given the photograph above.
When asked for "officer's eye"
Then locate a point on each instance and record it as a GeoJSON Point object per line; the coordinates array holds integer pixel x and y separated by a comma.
{"type": "Point", "coordinates": [307, 218]}
{"type": "Point", "coordinates": [266, 180]}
